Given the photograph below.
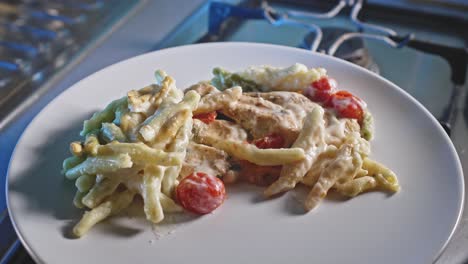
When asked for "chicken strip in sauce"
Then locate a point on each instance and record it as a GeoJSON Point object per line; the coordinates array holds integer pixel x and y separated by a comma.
{"type": "Point", "coordinates": [282, 113]}
{"type": "Point", "coordinates": [203, 158]}
{"type": "Point", "coordinates": [218, 129]}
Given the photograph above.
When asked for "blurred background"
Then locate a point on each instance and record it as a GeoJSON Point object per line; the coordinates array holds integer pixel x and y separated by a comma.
{"type": "Point", "coordinates": [48, 45]}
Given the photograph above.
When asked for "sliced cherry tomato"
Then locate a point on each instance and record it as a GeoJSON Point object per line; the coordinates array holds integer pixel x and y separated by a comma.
{"type": "Point", "coordinates": [347, 105]}
{"type": "Point", "coordinates": [317, 95]}
{"type": "Point", "coordinates": [321, 90]}
{"type": "Point", "coordinates": [271, 141]}
{"type": "Point", "coordinates": [323, 84]}
{"type": "Point", "coordinates": [206, 117]}
{"type": "Point", "coordinates": [200, 193]}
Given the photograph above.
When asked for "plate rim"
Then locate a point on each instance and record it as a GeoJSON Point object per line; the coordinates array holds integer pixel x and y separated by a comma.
{"type": "Point", "coordinates": [400, 90]}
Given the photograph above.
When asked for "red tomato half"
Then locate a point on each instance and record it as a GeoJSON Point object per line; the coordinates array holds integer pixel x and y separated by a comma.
{"type": "Point", "coordinates": [321, 90]}
{"type": "Point", "coordinates": [323, 84]}
{"type": "Point", "coordinates": [347, 105]}
{"type": "Point", "coordinates": [206, 117]}
{"type": "Point", "coordinates": [271, 141]}
{"type": "Point", "coordinates": [200, 193]}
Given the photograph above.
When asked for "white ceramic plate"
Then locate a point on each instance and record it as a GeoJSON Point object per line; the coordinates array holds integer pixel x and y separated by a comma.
{"type": "Point", "coordinates": [412, 226]}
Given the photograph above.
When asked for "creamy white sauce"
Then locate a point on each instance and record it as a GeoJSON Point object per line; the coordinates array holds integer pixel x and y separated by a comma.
{"type": "Point", "coordinates": [299, 111]}
{"type": "Point", "coordinates": [133, 182]}
{"type": "Point", "coordinates": [293, 78]}
{"type": "Point", "coordinates": [206, 167]}
{"type": "Point", "coordinates": [235, 132]}
{"type": "Point", "coordinates": [344, 102]}
{"type": "Point", "coordinates": [312, 141]}
{"type": "Point", "coordinates": [215, 101]}
{"type": "Point", "coordinates": [335, 128]}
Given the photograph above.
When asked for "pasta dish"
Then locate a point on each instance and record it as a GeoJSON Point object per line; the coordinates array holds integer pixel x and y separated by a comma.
{"type": "Point", "coordinates": [272, 127]}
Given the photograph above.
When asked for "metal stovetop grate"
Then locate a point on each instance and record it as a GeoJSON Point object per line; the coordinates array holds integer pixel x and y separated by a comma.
{"type": "Point", "coordinates": [39, 37]}
{"type": "Point", "coordinates": [225, 21]}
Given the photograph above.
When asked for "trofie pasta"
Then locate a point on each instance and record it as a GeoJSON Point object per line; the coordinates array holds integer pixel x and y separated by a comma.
{"type": "Point", "coordinates": [273, 127]}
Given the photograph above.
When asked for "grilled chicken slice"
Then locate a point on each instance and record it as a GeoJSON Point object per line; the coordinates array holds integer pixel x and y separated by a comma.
{"type": "Point", "coordinates": [282, 113]}
{"type": "Point", "coordinates": [261, 118]}
{"type": "Point", "coordinates": [203, 158]}
{"type": "Point", "coordinates": [220, 129]}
